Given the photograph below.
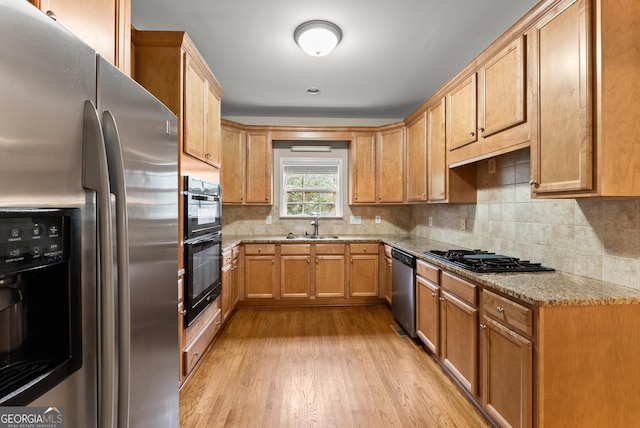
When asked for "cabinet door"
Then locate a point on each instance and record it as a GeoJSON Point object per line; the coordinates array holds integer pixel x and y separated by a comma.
{"type": "Point", "coordinates": [387, 279]}
{"type": "Point", "coordinates": [563, 158]}
{"type": "Point", "coordinates": [295, 276]}
{"type": "Point", "coordinates": [259, 169]}
{"type": "Point", "coordinates": [506, 375]}
{"type": "Point", "coordinates": [212, 134]}
{"type": "Point", "coordinates": [235, 295]}
{"type": "Point", "coordinates": [260, 277]}
{"type": "Point", "coordinates": [105, 25]}
{"type": "Point", "coordinates": [436, 143]}
{"type": "Point", "coordinates": [459, 340]}
{"type": "Point", "coordinates": [364, 275]}
{"type": "Point", "coordinates": [503, 96]}
{"type": "Point", "coordinates": [330, 275]}
{"type": "Point", "coordinates": [416, 159]}
{"type": "Point", "coordinates": [195, 94]}
{"type": "Point", "coordinates": [233, 166]}
{"type": "Point", "coordinates": [462, 114]}
{"type": "Point", "coordinates": [362, 167]}
{"type": "Point", "coordinates": [428, 314]}
{"type": "Point", "coordinates": [390, 166]}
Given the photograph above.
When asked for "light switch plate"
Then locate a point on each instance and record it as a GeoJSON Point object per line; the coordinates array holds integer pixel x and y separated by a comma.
{"type": "Point", "coordinates": [267, 220]}
{"type": "Point", "coordinates": [355, 219]}
{"type": "Point", "coordinates": [378, 219]}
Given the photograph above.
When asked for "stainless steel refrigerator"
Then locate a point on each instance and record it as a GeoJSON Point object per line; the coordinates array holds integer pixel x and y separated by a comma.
{"type": "Point", "coordinates": [79, 135]}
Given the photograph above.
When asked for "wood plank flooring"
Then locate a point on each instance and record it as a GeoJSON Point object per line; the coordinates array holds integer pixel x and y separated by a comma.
{"type": "Point", "coordinates": [321, 367]}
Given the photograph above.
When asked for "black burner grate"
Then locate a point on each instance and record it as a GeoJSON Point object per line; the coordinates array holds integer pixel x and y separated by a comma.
{"type": "Point", "coordinates": [484, 261]}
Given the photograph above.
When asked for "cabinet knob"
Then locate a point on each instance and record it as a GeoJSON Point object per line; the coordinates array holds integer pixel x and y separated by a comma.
{"type": "Point", "coordinates": [471, 133]}
{"type": "Point", "coordinates": [533, 182]}
{"type": "Point", "coordinates": [309, 261]}
{"type": "Point", "coordinates": [208, 155]}
{"type": "Point", "coordinates": [218, 322]}
{"type": "Point", "coordinates": [273, 262]}
{"type": "Point", "coordinates": [184, 312]}
{"type": "Point", "coordinates": [317, 261]}
{"type": "Point", "coordinates": [51, 14]}
{"type": "Point", "coordinates": [434, 295]}
{"type": "Point", "coordinates": [364, 249]}
{"type": "Point", "coordinates": [482, 326]}
{"type": "Point", "coordinates": [195, 354]}
{"type": "Point", "coordinates": [480, 129]}
{"type": "Point", "coordinates": [500, 309]}
{"type": "Point", "coordinates": [441, 299]}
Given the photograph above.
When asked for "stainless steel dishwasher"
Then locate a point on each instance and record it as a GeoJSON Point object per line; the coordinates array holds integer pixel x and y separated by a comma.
{"type": "Point", "coordinates": [403, 290]}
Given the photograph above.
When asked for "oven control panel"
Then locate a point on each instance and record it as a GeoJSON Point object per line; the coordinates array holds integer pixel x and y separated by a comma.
{"type": "Point", "coordinates": [29, 240]}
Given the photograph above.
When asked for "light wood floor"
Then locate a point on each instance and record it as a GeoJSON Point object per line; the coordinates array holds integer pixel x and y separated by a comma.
{"type": "Point", "coordinates": [324, 367]}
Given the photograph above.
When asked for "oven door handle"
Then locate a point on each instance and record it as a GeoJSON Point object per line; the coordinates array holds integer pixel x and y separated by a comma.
{"type": "Point", "coordinates": [213, 238]}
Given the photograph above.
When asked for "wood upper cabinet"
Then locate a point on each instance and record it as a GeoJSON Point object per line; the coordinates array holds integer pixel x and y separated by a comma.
{"type": "Point", "coordinates": [105, 25]}
{"type": "Point", "coordinates": [562, 161]}
{"type": "Point", "coordinates": [168, 65]}
{"type": "Point", "coordinates": [416, 159]}
{"type": "Point", "coordinates": [246, 173]}
{"type": "Point", "coordinates": [589, 100]}
{"type": "Point", "coordinates": [488, 112]}
{"type": "Point", "coordinates": [259, 168]}
{"type": "Point", "coordinates": [295, 270]}
{"type": "Point", "coordinates": [362, 169]}
{"type": "Point", "coordinates": [436, 151]}
{"type": "Point", "coordinates": [232, 170]}
{"type": "Point", "coordinates": [390, 176]}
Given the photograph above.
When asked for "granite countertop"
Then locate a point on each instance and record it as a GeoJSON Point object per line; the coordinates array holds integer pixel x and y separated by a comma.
{"type": "Point", "coordinates": [538, 288]}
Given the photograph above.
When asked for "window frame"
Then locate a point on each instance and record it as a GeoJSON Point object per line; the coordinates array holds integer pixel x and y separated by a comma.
{"type": "Point", "coordinates": [311, 162]}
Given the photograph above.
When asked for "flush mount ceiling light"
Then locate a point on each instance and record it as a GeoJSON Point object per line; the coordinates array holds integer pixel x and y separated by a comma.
{"type": "Point", "coordinates": [313, 91]}
{"type": "Point", "coordinates": [317, 38]}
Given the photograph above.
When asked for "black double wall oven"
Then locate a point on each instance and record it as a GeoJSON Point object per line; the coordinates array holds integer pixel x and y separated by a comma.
{"type": "Point", "coordinates": [202, 245]}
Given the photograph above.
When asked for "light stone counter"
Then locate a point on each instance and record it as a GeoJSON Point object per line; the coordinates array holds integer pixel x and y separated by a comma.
{"type": "Point", "coordinates": [537, 288]}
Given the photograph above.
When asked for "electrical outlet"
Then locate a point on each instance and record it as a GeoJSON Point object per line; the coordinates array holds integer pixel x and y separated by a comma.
{"type": "Point", "coordinates": [267, 220]}
{"type": "Point", "coordinates": [378, 219]}
{"type": "Point", "coordinates": [430, 221]}
{"type": "Point", "coordinates": [463, 224]}
{"type": "Point", "coordinates": [491, 165]}
{"type": "Point", "coordinates": [355, 219]}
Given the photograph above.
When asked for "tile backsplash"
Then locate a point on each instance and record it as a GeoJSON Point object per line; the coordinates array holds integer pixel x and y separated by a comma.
{"type": "Point", "coordinates": [596, 238]}
{"type": "Point", "coordinates": [592, 237]}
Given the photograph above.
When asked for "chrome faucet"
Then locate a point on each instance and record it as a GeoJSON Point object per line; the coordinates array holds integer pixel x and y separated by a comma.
{"type": "Point", "coordinates": [315, 225]}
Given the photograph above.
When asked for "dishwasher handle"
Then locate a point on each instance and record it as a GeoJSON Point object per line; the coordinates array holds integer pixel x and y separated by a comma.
{"type": "Point", "coordinates": [403, 257]}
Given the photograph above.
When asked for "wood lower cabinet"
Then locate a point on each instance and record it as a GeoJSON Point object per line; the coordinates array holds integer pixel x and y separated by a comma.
{"type": "Point", "coordinates": [386, 277]}
{"type": "Point", "coordinates": [200, 334]}
{"type": "Point", "coordinates": [330, 271]}
{"type": "Point", "coordinates": [459, 330]}
{"type": "Point", "coordinates": [229, 294]}
{"type": "Point", "coordinates": [363, 270]}
{"type": "Point", "coordinates": [295, 271]}
{"type": "Point", "coordinates": [181, 339]}
{"type": "Point", "coordinates": [105, 25]}
{"type": "Point", "coordinates": [428, 305]}
{"type": "Point", "coordinates": [260, 277]}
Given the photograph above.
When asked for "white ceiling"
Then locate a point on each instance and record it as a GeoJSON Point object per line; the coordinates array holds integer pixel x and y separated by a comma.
{"type": "Point", "coordinates": [394, 54]}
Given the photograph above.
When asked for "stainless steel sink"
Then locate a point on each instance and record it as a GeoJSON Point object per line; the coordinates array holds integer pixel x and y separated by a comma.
{"type": "Point", "coordinates": [323, 237]}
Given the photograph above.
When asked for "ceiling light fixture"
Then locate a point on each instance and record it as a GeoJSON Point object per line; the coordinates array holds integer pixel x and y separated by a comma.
{"type": "Point", "coordinates": [317, 38]}
{"type": "Point", "coordinates": [310, 148]}
{"type": "Point", "coordinates": [313, 91]}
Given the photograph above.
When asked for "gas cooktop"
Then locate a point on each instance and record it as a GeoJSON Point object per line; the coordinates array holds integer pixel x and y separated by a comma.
{"type": "Point", "coordinates": [484, 261]}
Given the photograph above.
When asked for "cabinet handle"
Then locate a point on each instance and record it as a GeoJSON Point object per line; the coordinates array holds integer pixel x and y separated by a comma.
{"type": "Point", "coordinates": [499, 309]}
{"type": "Point", "coordinates": [441, 299]}
{"type": "Point", "coordinates": [482, 326]}
{"type": "Point", "coordinates": [51, 14]}
{"type": "Point", "coordinates": [434, 295]}
{"type": "Point", "coordinates": [471, 133]}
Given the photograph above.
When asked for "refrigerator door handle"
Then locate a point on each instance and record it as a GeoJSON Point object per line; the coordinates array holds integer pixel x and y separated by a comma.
{"type": "Point", "coordinates": [95, 177]}
{"type": "Point", "coordinates": [117, 181]}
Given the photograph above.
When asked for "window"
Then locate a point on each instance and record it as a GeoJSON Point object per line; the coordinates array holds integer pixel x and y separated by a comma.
{"type": "Point", "coordinates": [311, 187]}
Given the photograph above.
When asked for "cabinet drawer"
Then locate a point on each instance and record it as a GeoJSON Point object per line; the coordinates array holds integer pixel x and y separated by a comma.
{"type": "Point", "coordinates": [428, 271]}
{"type": "Point", "coordinates": [295, 249]}
{"type": "Point", "coordinates": [329, 248]}
{"type": "Point", "coordinates": [227, 256]}
{"type": "Point", "coordinates": [195, 350]}
{"type": "Point", "coordinates": [364, 248]}
{"type": "Point", "coordinates": [459, 287]}
{"type": "Point", "coordinates": [508, 312]}
{"type": "Point", "coordinates": [260, 248]}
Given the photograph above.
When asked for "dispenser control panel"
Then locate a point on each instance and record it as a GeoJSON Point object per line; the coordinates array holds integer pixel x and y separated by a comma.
{"type": "Point", "coordinates": [32, 239]}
